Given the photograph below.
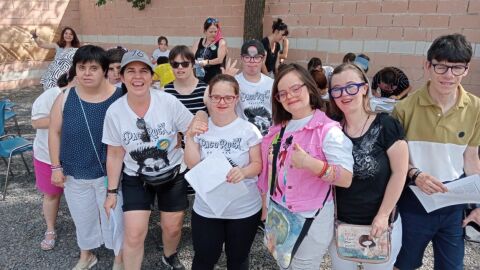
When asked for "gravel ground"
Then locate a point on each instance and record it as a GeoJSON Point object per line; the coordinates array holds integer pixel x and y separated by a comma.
{"type": "Point", "coordinates": [22, 225]}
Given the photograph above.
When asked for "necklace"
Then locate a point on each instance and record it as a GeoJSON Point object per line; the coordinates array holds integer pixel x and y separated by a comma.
{"type": "Point", "coordinates": [361, 131]}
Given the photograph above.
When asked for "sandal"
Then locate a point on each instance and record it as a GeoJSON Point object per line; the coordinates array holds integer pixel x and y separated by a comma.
{"type": "Point", "coordinates": [48, 244]}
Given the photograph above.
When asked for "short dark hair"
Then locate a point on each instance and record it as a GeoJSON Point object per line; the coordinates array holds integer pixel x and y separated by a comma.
{"type": "Point", "coordinates": [160, 38]}
{"type": "Point", "coordinates": [224, 78]}
{"type": "Point", "coordinates": [184, 52]}
{"type": "Point", "coordinates": [451, 48]}
{"type": "Point", "coordinates": [279, 114]}
{"type": "Point", "coordinates": [66, 77]}
{"type": "Point", "coordinates": [162, 60]}
{"type": "Point", "coordinates": [279, 25]}
{"type": "Point", "coordinates": [75, 42]}
{"type": "Point", "coordinates": [388, 76]}
{"type": "Point", "coordinates": [209, 22]}
{"type": "Point", "coordinates": [349, 57]}
{"type": "Point", "coordinates": [313, 63]}
{"type": "Point", "coordinates": [115, 54]}
{"type": "Point", "coordinates": [91, 53]}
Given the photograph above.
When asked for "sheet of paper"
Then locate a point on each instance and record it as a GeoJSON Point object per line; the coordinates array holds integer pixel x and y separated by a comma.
{"type": "Point", "coordinates": [115, 223]}
{"type": "Point", "coordinates": [465, 190]}
{"type": "Point", "coordinates": [208, 179]}
{"type": "Point", "coordinates": [380, 104]}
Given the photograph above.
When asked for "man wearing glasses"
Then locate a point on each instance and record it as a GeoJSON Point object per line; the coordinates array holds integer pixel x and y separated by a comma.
{"type": "Point", "coordinates": [441, 122]}
{"type": "Point", "coordinates": [255, 87]}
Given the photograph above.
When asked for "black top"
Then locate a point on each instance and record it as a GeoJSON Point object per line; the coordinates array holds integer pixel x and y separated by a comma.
{"type": "Point", "coordinates": [271, 57]}
{"type": "Point", "coordinates": [401, 81]}
{"type": "Point", "coordinates": [360, 203]}
{"type": "Point", "coordinates": [210, 53]}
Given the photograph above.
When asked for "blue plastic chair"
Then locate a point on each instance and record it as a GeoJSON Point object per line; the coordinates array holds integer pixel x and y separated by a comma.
{"type": "Point", "coordinates": [10, 114]}
{"type": "Point", "coordinates": [10, 146]}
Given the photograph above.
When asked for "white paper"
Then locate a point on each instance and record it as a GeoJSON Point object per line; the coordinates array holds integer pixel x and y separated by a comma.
{"type": "Point", "coordinates": [381, 104]}
{"type": "Point", "coordinates": [115, 223]}
{"type": "Point", "coordinates": [208, 179]}
{"type": "Point", "coordinates": [465, 190]}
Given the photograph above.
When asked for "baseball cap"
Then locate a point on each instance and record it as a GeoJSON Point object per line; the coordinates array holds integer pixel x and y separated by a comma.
{"type": "Point", "coordinates": [252, 43]}
{"type": "Point", "coordinates": [135, 56]}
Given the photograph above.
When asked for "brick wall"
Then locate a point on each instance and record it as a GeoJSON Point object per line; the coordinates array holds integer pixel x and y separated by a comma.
{"type": "Point", "coordinates": [390, 32]}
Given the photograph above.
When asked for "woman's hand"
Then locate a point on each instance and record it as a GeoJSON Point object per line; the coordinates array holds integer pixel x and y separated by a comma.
{"type": "Point", "coordinates": [198, 126]}
{"type": "Point", "coordinates": [230, 68]}
{"type": "Point", "coordinates": [298, 157]}
{"type": "Point", "coordinates": [235, 175]}
{"type": "Point", "coordinates": [110, 203]}
{"type": "Point", "coordinates": [379, 225]}
{"type": "Point", "coordinates": [58, 179]}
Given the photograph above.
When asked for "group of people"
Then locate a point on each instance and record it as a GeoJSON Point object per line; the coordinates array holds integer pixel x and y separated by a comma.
{"type": "Point", "coordinates": [117, 146]}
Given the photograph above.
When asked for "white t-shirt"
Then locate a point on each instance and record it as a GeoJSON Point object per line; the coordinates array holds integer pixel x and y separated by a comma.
{"type": "Point", "coordinates": [157, 53]}
{"type": "Point", "coordinates": [234, 141]}
{"type": "Point", "coordinates": [165, 117]}
{"type": "Point", "coordinates": [41, 109]}
{"type": "Point", "coordinates": [255, 101]}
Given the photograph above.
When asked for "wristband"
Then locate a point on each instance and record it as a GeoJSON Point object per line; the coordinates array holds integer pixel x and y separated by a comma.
{"type": "Point", "coordinates": [112, 191]}
{"type": "Point", "coordinates": [414, 177]}
{"type": "Point", "coordinates": [324, 169]}
{"type": "Point", "coordinates": [411, 169]}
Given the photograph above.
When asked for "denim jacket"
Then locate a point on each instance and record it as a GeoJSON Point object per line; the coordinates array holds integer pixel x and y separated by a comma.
{"type": "Point", "coordinates": [304, 191]}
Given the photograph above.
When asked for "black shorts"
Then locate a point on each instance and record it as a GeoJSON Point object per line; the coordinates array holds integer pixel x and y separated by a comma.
{"type": "Point", "coordinates": [171, 197]}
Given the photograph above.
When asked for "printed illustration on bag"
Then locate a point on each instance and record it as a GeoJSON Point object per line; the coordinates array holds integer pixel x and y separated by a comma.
{"type": "Point", "coordinates": [150, 159]}
{"type": "Point", "coordinates": [355, 242]}
{"type": "Point", "coordinates": [260, 117]}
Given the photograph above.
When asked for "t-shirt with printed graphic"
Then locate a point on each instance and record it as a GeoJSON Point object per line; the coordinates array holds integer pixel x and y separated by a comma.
{"type": "Point", "coordinates": [165, 117]}
{"type": "Point", "coordinates": [255, 101]}
{"type": "Point", "coordinates": [359, 203]}
{"type": "Point", "coordinates": [234, 141]}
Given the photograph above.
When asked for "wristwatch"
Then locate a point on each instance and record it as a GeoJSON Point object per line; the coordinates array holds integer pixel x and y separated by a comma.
{"type": "Point", "coordinates": [112, 191]}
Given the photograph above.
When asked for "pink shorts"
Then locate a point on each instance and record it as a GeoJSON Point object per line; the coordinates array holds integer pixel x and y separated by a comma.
{"type": "Point", "coordinates": [43, 175]}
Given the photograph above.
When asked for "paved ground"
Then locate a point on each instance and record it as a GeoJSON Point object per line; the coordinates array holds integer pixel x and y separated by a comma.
{"type": "Point", "coordinates": [22, 224]}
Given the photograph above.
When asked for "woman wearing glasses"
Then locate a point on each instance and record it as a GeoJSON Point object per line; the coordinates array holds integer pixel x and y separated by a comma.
{"type": "Point", "coordinates": [380, 154]}
{"type": "Point", "coordinates": [210, 51]}
{"type": "Point", "coordinates": [314, 154]}
{"type": "Point", "coordinates": [237, 139]}
{"type": "Point", "coordinates": [140, 130]}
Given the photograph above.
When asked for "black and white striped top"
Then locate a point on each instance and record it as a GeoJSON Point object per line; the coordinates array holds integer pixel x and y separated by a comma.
{"type": "Point", "coordinates": [194, 100]}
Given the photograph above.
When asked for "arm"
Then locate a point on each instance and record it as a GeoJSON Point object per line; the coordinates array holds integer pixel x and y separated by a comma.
{"type": "Point", "coordinates": [473, 216]}
{"type": "Point", "coordinates": [222, 52]}
{"type": "Point", "coordinates": [54, 133]}
{"type": "Point", "coordinates": [42, 44]}
{"type": "Point", "coordinates": [264, 69]}
{"type": "Point", "coordinates": [283, 56]}
{"type": "Point", "coordinates": [195, 47]}
{"type": "Point", "coordinates": [237, 174]}
{"type": "Point", "coordinates": [398, 156]}
{"type": "Point", "coordinates": [403, 93]}
{"type": "Point", "coordinates": [41, 123]}
{"type": "Point", "coordinates": [192, 149]}
{"type": "Point", "coordinates": [471, 160]}
{"type": "Point", "coordinates": [115, 155]}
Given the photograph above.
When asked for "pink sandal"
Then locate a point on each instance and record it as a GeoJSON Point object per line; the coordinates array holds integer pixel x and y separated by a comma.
{"type": "Point", "coordinates": [48, 244]}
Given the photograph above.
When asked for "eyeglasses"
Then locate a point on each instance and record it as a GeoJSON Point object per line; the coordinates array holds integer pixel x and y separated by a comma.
{"type": "Point", "coordinates": [177, 64]}
{"type": "Point", "coordinates": [218, 98]}
{"type": "Point", "coordinates": [143, 126]}
{"type": "Point", "coordinates": [351, 89]}
{"type": "Point", "coordinates": [294, 91]}
{"type": "Point", "coordinates": [252, 59]}
{"type": "Point", "coordinates": [441, 69]}
{"type": "Point", "coordinates": [212, 20]}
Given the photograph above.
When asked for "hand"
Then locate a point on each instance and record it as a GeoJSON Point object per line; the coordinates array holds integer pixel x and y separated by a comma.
{"type": "Point", "coordinates": [298, 157]}
{"type": "Point", "coordinates": [235, 175]}
{"type": "Point", "coordinates": [230, 68]}
{"type": "Point", "coordinates": [110, 203]}
{"type": "Point", "coordinates": [198, 126]}
{"type": "Point", "coordinates": [394, 97]}
{"type": "Point", "coordinates": [58, 179]}
{"type": "Point", "coordinates": [429, 184]}
{"type": "Point", "coordinates": [474, 216]}
{"type": "Point", "coordinates": [379, 226]}
{"type": "Point", "coordinates": [376, 93]}
{"type": "Point", "coordinates": [34, 34]}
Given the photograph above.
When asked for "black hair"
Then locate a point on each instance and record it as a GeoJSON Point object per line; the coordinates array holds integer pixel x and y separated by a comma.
{"type": "Point", "coordinates": [91, 53]}
{"type": "Point", "coordinates": [184, 52]}
{"type": "Point", "coordinates": [388, 75]}
{"type": "Point", "coordinates": [279, 25]}
{"type": "Point", "coordinates": [162, 60]}
{"type": "Point", "coordinates": [313, 63]}
{"type": "Point", "coordinates": [451, 48]}
{"type": "Point", "coordinates": [349, 57]}
{"type": "Point", "coordinates": [75, 42]}
{"type": "Point", "coordinates": [160, 38]}
{"type": "Point", "coordinates": [209, 22]}
{"type": "Point", "coordinates": [115, 55]}
{"type": "Point", "coordinates": [66, 77]}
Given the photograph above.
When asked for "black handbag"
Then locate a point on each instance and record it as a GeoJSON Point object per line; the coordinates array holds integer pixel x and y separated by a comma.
{"type": "Point", "coordinates": [161, 179]}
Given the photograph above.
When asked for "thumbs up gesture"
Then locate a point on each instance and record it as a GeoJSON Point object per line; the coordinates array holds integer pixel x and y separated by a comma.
{"type": "Point", "coordinates": [298, 157]}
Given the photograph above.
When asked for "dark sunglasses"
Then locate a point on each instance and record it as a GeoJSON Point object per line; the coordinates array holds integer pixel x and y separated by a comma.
{"type": "Point", "coordinates": [212, 20]}
{"type": "Point", "coordinates": [143, 126]}
{"type": "Point", "coordinates": [177, 64]}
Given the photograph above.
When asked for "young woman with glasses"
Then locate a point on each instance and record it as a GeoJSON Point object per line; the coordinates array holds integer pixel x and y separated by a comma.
{"type": "Point", "coordinates": [140, 130]}
{"type": "Point", "coordinates": [314, 154]}
{"type": "Point", "coordinates": [237, 225]}
{"type": "Point", "coordinates": [210, 51]}
{"type": "Point", "coordinates": [380, 154]}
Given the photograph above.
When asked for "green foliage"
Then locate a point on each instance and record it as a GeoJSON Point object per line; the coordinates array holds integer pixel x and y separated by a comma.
{"type": "Point", "coordinates": [139, 4]}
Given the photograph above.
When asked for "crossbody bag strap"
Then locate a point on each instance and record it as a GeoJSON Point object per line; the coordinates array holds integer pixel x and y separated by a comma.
{"type": "Point", "coordinates": [276, 149]}
{"type": "Point", "coordinates": [90, 133]}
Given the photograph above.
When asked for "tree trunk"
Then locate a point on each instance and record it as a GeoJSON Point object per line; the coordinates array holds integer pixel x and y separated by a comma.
{"type": "Point", "coordinates": [253, 19]}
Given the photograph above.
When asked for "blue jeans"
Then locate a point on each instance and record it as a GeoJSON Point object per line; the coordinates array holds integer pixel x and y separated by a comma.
{"type": "Point", "coordinates": [444, 230]}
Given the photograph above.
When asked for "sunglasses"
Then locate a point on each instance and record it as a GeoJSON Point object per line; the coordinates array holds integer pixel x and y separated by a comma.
{"type": "Point", "coordinates": [212, 20]}
{"type": "Point", "coordinates": [177, 64]}
{"type": "Point", "coordinates": [143, 126]}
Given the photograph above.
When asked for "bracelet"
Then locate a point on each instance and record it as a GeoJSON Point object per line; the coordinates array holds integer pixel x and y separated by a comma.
{"type": "Point", "coordinates": [324, 169]}
{"type": "Point", "coordinates": [414, 176]}
{"type": "Point", "coordinates": [411, 169]}
{"type": "Point", "coordinates": [208, 62]}
{"type": "Point", "coordinates": [55, 166]}
{"type": "Point", "coordinates": [57, 169]}
{"type": "Point", "coordinates": [112, 191]}
{"type": "Point", "coordinates": [112, 194]}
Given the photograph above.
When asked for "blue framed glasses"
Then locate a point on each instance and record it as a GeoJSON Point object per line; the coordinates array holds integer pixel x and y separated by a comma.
{"type": "Point", "coordinates": [350, 89]}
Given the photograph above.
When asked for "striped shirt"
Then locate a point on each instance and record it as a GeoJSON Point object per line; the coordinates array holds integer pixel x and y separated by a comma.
{"type": "Point", "coordinates": [194, 100]}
